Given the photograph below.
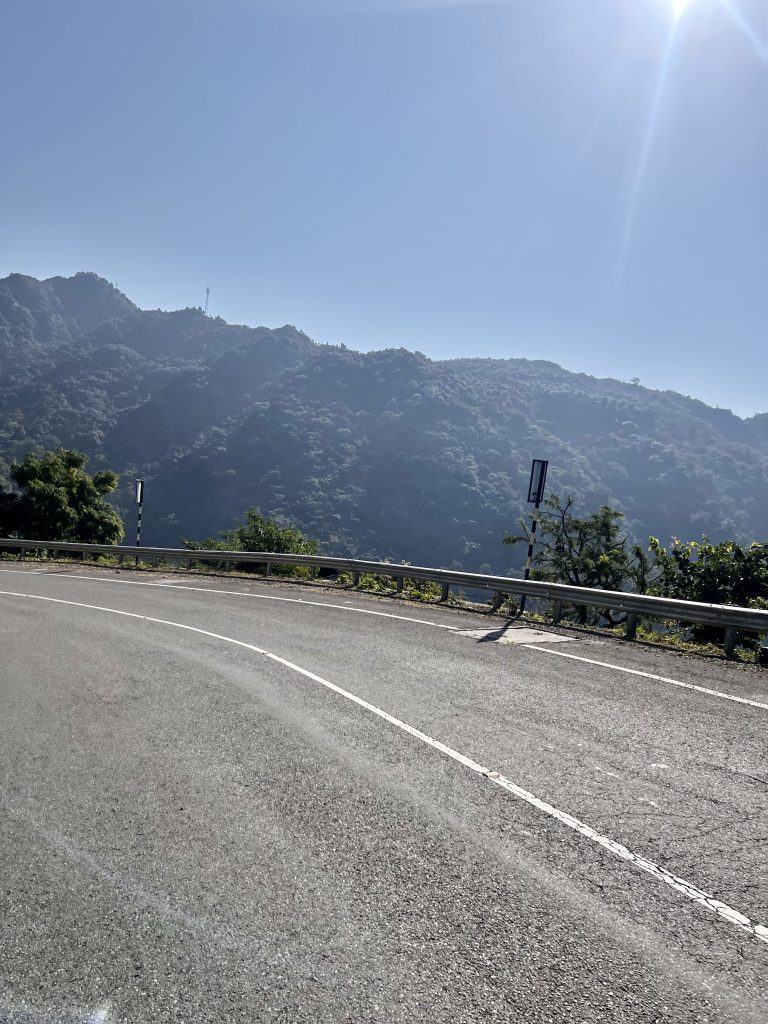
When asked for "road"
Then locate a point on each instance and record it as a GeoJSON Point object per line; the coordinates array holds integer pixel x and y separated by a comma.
{"type": "Point", "coordinates": [231, 801]}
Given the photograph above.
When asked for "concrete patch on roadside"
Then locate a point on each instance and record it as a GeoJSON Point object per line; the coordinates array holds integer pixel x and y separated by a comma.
{"type": "Point", "coordinates": [515, 635]}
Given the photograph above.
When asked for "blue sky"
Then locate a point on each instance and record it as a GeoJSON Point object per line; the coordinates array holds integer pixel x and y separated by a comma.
{"type": "Point", "coordinates": [584, 181]}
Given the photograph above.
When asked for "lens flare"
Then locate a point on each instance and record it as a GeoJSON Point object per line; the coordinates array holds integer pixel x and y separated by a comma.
{"type": "Point", "coordinates": [644, 154]}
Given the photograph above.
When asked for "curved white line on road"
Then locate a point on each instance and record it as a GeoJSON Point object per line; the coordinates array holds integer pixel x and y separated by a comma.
{"type": "Point", "coordinates": [650, 675]}
{"type": "Point", "coordinates": [232, 593]}
{"type": "Point", "coordinates": [681, 885]}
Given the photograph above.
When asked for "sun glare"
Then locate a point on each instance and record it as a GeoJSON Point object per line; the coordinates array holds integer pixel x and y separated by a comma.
{"type": "Point", "coordinates": [678, 6]}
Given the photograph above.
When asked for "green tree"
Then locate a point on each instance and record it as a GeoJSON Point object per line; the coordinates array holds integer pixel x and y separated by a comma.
{"type": "Point", "coordinates": [58, 500]}
{"type": "Point", "coordinates": [584, 552]}
{"type": "Point", "coordinates": [724, 573]}
{"type": "Point", "coordinates": [256, 533]}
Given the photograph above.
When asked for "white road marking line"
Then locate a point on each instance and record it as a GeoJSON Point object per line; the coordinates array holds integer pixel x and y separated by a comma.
{"type": "Point", "coordinates": [233, 593]}
{"type": "Point", "coordinates": [681, 885]}
{"type": "Point", "coordinates": [649, 675]}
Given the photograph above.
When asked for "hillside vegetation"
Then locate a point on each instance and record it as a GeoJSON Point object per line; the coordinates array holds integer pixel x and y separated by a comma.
{"type": "Point", "coordinates": [386, 453]}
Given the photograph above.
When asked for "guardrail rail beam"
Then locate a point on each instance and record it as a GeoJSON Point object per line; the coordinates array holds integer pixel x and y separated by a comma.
{"type": "Point", "coordinates": [730, 618]}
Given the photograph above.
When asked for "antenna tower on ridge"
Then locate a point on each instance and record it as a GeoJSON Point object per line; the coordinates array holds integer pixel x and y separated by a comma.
{"type": "Point", "coordinates": [207, 293]}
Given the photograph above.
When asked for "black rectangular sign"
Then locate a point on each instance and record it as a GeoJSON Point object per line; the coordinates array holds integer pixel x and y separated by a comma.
{"type": "Point", "coordinates": [538, 480]}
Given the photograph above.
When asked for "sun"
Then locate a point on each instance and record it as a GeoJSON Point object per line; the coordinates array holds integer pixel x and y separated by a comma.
{"type": "Point", "coordinates": [678, 6]}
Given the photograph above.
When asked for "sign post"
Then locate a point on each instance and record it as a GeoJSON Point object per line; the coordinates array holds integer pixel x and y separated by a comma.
{"type": "Point", "coordinates": [535, 497]}
{"type": "Point", "coordinates": [140, 507]}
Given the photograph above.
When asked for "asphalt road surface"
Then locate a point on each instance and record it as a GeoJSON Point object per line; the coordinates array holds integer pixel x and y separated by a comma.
{"type": "Point", "coordinates": [225, 801]}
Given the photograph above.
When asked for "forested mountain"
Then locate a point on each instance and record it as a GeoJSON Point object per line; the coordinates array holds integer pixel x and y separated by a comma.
{"type": "Point", "coordinates": [384, 454]}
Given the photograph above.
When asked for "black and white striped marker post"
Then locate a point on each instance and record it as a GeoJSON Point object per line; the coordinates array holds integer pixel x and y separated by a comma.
{"type": "Point", "coordinates": [535, 495]}
{"type": "Point", "coordinates": [140, 504]}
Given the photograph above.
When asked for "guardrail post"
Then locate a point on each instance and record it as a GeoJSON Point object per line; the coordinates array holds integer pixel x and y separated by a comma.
{"type": "Point", "coordinates": [630, 632]}
{"type": "Point", "coordinates": [729, 643]}
{"type": "Point", "coordinates": [23, 552]}
{"type": "Point", "coordinates": [445, 591]}
{"type": "Point", "coordinates": [399, 584]}
{"type": "Point", "coordinates": [557, 612]}
{"type": "Point", "coordinates": [498, 597]}
{"type": "Point", "coordinates": [355, 579]}
{"type": "Point", "coordinates": [269, 568]}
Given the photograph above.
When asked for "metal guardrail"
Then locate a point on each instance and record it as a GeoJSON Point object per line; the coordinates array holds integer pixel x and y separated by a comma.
{"type": "Point", "coordinates": [730, 618]}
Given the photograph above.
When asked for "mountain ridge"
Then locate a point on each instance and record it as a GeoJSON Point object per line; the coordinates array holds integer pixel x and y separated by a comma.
{"type": "Point", "coordinates": [385, 453]}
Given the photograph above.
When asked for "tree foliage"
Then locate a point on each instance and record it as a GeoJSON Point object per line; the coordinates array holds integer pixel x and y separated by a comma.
{"type": "Point", "coordinates": [725, 573]}
{"type": "Point", "coordinates": [58, 500]}
{"type": "Point", "coordinates": [592, 551]}
{"type": "Point", "coordinates": [257, 533]}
